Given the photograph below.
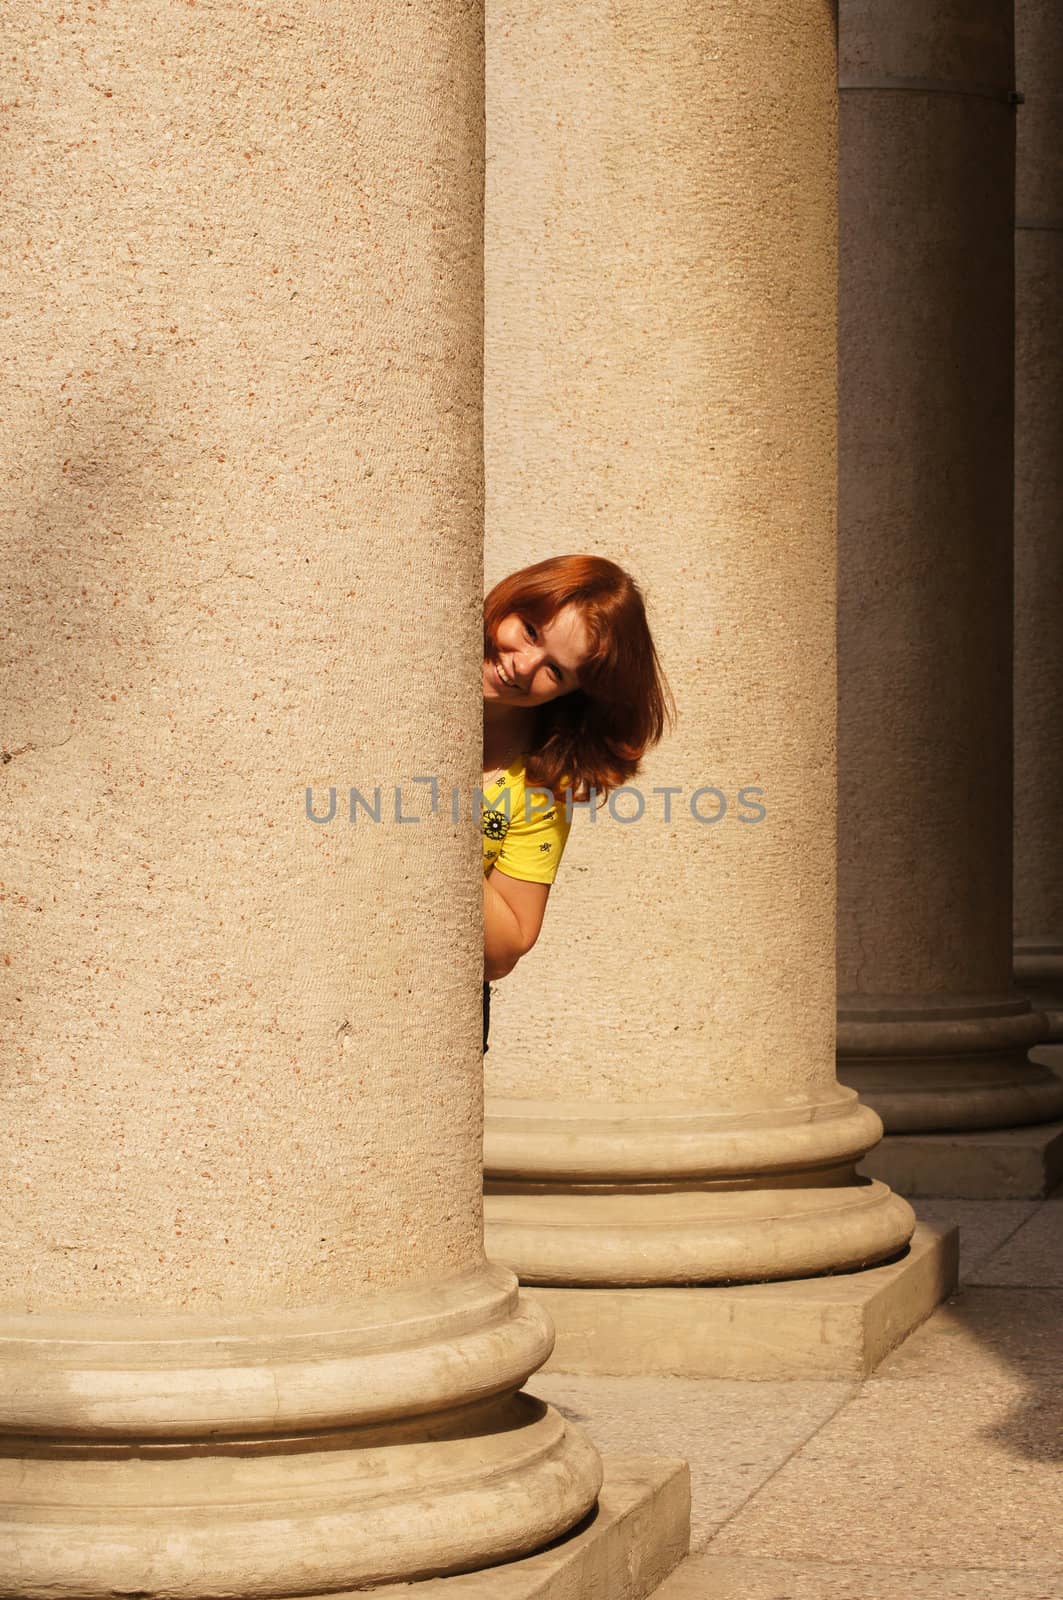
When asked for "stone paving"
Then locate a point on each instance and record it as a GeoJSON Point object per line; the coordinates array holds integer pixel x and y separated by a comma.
{"type": "Point", "coordinates": [940, 1475]}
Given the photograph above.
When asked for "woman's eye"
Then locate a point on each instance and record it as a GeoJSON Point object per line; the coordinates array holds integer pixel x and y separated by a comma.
{"type": "Point", "coordinates": [529, 630]}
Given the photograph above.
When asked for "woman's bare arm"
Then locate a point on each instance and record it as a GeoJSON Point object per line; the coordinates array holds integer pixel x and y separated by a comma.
{"type": "Point", "coordinates": [513, 916]}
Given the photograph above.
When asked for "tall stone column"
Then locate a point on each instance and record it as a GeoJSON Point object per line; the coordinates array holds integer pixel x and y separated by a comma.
{"type": "Point", "coordinates": [249, 1342]}
{"type": "Point", "coordinates": [660, 388]}
{"type": "Point", "coordinates": [931, 1029]}
{"type": "Point", "coordinates": [1039, 509]}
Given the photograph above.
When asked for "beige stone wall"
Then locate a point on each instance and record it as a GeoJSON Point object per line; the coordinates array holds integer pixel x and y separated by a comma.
{"type": "Point", "coordinates": [660, 389]}
{"type": "Point", "coordinates": [241, 472]}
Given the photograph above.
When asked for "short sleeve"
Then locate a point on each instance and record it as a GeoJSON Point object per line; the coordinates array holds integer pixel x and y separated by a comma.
{"type": "Point", "coordinates": [534, 844]}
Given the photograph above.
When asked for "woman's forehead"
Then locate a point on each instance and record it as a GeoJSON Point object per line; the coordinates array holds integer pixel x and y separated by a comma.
{"type": "Point", "coordinates": [569, 635]}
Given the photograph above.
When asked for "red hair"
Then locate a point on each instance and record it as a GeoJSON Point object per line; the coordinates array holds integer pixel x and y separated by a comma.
{"type": "Point", "coordinates": [594, 736]}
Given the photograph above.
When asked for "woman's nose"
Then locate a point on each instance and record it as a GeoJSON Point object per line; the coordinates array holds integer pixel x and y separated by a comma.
{"type": "Point", "coordinates": [526, 665]}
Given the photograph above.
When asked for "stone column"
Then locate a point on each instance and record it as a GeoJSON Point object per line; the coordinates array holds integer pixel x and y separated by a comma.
{"type": "Point", "coordinates": [931, 1029]}
{"type": "Point", "coordinates": [661, 389]}
{"type": "Point", "coordinates": [249, 1341]}
{"type": "Point", "coordinates": [1039, 509]}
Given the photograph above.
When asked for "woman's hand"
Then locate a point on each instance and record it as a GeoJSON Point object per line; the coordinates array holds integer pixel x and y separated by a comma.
{"type": "Point", "coordinates": [513, 916]}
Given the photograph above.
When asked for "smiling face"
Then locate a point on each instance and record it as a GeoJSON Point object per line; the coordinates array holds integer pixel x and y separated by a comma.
{"type": "Point", "coordinates": [532, 663]}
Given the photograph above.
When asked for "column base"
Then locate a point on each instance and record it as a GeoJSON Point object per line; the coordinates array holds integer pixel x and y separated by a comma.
{"type": "Point", "coordinates": [283, 1453]}
{"type": "Point", "coordinates": [619, 1195]}
{"type": "Point", "coordinates": [640, 1236]}
{"type": "Point", "coordinates": [835, 1327]}
{"type": "Point", "coordinates": [639, 1533]}
{"type": "Point", "coordinates": [1038, 970]}
{"type": "Point", "coordinates": [938, 1066]}
{"type": "Point", "coordinates": [1051, 1007]}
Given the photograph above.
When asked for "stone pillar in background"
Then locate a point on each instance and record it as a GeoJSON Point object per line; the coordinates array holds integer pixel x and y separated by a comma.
{"type": "Point", "coordinates": [931, 1030]}
{"type": "Point", "coordinates": [661, 389]}
{"type": "Point", "coordinates": [250, 1343]}
{"type": "Point", "coordinates": [1039, 509]}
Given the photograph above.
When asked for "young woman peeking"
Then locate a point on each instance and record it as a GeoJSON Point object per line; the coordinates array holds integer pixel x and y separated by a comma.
{"type": "Point", "coordinates": [574, 696]}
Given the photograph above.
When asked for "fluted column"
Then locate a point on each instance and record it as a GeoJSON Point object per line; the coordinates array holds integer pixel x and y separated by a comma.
{"type": "Point", "coordinates": [931, 1030]}
{"type": "Point", "coordinates": [1039, 509]}
{"type": "Point", "coordinates": [661, 389]}
{"type": "Point", "coordinates": [249, 1342]}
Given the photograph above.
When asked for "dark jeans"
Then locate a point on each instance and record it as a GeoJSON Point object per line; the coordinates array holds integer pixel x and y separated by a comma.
{"type": "Point", "coordinates": [487, 1011]}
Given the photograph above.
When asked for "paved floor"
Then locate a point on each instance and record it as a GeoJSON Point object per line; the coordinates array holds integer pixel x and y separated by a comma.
{"type": "Point", "coordinates": [940, 1475]}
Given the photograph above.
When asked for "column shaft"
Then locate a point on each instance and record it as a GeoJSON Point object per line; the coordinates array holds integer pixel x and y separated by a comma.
{"type": "Point", "coordinates": [931, 1030]}
{"type": "Point", "coordinates": [1039, 509]}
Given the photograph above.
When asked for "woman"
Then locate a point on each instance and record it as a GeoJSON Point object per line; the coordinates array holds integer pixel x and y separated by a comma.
{"type": "Point", "coordinates": [573, 698]}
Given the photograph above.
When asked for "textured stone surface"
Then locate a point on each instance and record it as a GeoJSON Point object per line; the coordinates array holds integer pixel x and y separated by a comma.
{"type": "Point", "coordinates": [218, 410]}
{"type": "Point", "coordinates": [734, 1435]}
{"type": "Point", "coordinates": [984, 1224]}
{"type": "Point", "coordinates": [985, 1334]}
{"type": "Point", "coordinates": [1032, 1256]}
{"type": "Point", "coordinates": [938, 1476]}
{"type": "Point", "coordinates": [746, 1578]}
{"type": "Point", "coordinates": [920, 1467]}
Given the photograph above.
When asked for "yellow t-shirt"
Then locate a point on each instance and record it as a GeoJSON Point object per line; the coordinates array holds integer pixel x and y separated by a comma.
{"type": "Point", "coordinates": [529, 846]}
